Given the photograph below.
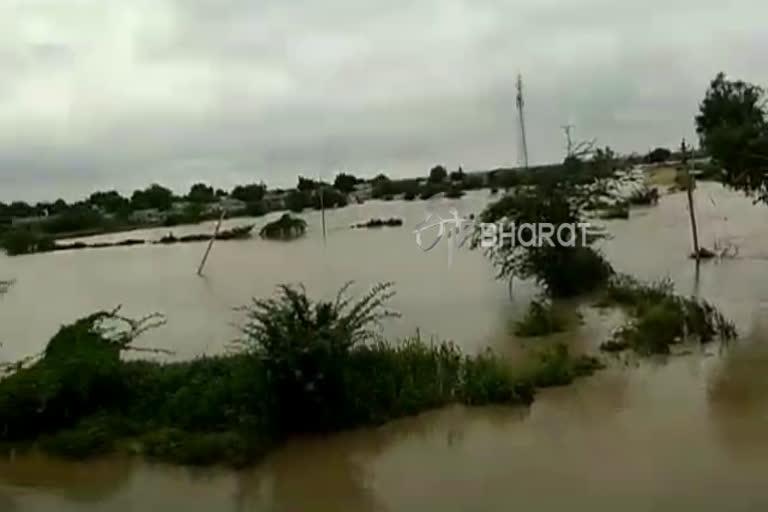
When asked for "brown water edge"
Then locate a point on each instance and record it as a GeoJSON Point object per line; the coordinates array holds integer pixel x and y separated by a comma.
{"type": "Point", "coordinates": [687, 433]}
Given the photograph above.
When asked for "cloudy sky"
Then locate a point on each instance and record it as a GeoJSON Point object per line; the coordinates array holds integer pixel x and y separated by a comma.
{"type": "Point", "coordinates": [99, 94]}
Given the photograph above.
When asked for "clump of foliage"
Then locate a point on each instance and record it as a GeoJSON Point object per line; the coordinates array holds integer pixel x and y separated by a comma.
{"type": "Point", "coordinates": [305, 346]}
{"type": "Point", "coordinates": [732, 125]}
{"type": "Point", "coordinates": [540, 320]}
{"type": "Point", "coordinates": [555, 366]}
{"type": "Point", "coordinates": [304, 366]}
{"type": "Point", "coordinates": [562, 269]}
{"type": "Point", "coordinates": [78, 374]}
{"type": "Point", "coordinates": [378, 223]}
{"type": "Point", "coordinates": [17, 241]}
{"type": "Point", "coordinates": [286, 227]}
{"type": "Point", "coordinates": [660, 319]}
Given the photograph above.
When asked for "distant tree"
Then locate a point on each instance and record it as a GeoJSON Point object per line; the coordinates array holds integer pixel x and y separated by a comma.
{"type": "Point", "coordinates": [437, 174]}
{"type": "Point", "coordinates": [249, 193]}
{"type": "Point", "coordinates": [380, 178]}
{"type": "Point", "coordinates": [201, 193]}
{"type": "Point", "coordinates": [603, 162]}
{"type": "Point", "coordinates": [659, 155]}
{"type": "Point", "coordinates": [220, 192]}
{"type": "Point", "coordinates": [60, 206]}
{"type": "Point", "coordinates": [332, 198]}
{"type": "Point", "coordinates": [20, 209]}
{"type": "Point", "coordinates": [297, 200]}
{"type": "Point", "coordinates": [155, 196]}
{"type": "Point", "coordinates": [345, 182]}
{"type": "Point", "coordinates": [306, 184]}
{"type": "Point", "coordinates": [111, 201]}
{"type": "Point", "coordinates": [733, 129]}
{"type": "Point", "coordinates": [457, 175]}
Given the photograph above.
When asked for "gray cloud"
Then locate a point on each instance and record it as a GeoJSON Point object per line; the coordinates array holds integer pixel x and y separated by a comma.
{"type": "Point", "coordinates": [120, 94]}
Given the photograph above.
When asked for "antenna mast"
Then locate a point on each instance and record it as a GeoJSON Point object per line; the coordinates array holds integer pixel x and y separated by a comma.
{"type": "Point", "coordinates": [567, 129]}
{"type": "Point", "coordinates": [520, 105]}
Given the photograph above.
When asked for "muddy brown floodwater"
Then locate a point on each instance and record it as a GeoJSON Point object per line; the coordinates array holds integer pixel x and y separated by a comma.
{"type": "Point", "coordinates": [684, 433]}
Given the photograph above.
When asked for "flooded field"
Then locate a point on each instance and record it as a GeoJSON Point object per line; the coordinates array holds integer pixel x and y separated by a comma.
{"type": "Point", "coordinates": [686, 433]}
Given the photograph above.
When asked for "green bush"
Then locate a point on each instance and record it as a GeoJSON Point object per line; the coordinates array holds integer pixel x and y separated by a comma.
{"type": "Point", "coordinates": [540, 320]}
{"type": "Point", "coordinates": [661, 319]}
{"type": "Point", "coordinates": [562, 270]}
{"type": "Point", "coordinates": [305, 367]}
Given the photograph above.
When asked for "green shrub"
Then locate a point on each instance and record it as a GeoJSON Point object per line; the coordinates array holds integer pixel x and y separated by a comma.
{"type": "Point", "coordinates": [554, 366]}
{"type": "Point", "coordinates": [286, 227]}
{"type": "Point", "coordinates": [306, 367]}
{"type": "Point", "coordinates": [540, 320]}
{"type": "Point", "coordinates": [661, 319]}
{"type": "Point", "coordinates": [562, 270]}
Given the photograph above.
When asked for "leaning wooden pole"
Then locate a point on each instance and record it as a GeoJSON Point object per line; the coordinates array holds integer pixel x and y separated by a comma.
{"type": "Point", "coordinates": [210, 244]}
{"type": "Point", "coordinates": [689, 186]}
{"type": "Point", "coordinates": [322, 209]}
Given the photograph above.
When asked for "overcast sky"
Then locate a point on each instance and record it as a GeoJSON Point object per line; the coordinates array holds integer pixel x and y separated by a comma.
{"type": "Point", "coordinates": [100, 94]}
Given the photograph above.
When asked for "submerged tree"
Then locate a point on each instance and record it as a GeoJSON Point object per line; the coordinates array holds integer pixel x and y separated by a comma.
{"type": "Point", "coordinates": [733, 129]}
{"type": "Point", "coordinates": [284, 228]}
{"type": "Point", "coordinates": [566, 264]}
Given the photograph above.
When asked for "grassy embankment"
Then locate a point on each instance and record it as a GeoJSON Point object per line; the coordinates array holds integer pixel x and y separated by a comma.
{"type": "Point", "coordinates": [302, 367]}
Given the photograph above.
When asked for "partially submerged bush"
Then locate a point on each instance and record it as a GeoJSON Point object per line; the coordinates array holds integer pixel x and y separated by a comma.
{"type": "Point", "coordinates": [18, 241]}
{"type": "Point", "coordinates": [562, 270]}
{"type": "Point", "coordinates": [554, 366]}
{"type": "Point", "coordinates": [307, 366]}
{"type": "Point", "coordinates": [661, 319]}
{"type": "Point", "coordinates": [304, 346]}
{"type": "Point", "coordinates": [78, 374]}
{"type": "Point", "coordinates": [540, 320]}
{"type": "Point", "coordinates": [284, 228]}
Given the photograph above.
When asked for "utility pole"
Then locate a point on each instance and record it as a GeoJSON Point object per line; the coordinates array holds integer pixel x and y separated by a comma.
{"type": "Point", "coordinates": [521, 115]}
{"type": "Point", "coordinates": [210, 244]}
{"type": "Point", "coordinates": [690, 183]}
{"type": "Point", "coordinates": [322, 206]}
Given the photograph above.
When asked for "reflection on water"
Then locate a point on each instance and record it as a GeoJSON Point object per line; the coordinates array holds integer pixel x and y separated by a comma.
{"type": "Point", "coordinates": [679, 433]}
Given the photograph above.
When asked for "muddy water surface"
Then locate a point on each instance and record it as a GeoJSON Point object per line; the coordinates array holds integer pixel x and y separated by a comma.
{"type": "Point", "coordinates": [687, 433]}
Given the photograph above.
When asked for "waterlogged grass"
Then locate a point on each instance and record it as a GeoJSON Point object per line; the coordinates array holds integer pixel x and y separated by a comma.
{"type": "Point", "coordinates": [541, 319]}
{"type": "Point", "coordinates": [660, 319]}
{"type": "Point", "coordinates": [303, 367]}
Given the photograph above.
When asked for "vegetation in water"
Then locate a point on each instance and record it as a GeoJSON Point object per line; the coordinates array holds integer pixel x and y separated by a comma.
{"type": "Point", "coordinates": [660, 319]}
{"type": "Point", "coordinates": [286, 227]}
{"type": "Point", "coordinates": [302, 366]}
{"type": "Point", "coordinates": [541, 319]}
{"type": "Point", "coordinates": [563, 270]}
{"type": "Point", "coordinates": [378, 223]}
